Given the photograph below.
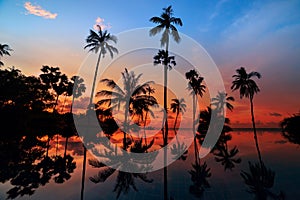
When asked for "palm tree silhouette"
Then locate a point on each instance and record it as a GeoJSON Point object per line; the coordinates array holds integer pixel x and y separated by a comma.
{"type": "Point", "coordinates": [227, 157]}
{"type": "Point", "coordinates": [149, 90]}
{"type": "Point", "coordinates": [260, 180]}
{"type": "Point", "coordinates": [131, 93]}
{"type": "Point", "coordinates": [178, 106]}
{"type": "Point", "coordinates": [4, 50]}
{"type": "Point", "coordinates": [100, 42]}
{"type": "Point", "coordinates": [125, 180]}
{"type": "Point", "coordinates": [166, 23]}
{"type": "Point", "coordinates": [221, 101]}
{"type": "Point", "coordinates": [199, 175]}
{"type": "Point", "coordinates": [197, 88]}
{"type": "Point", "coordinates": [247, 88]}
{"type": "Point", "coordinates": [180, 150]}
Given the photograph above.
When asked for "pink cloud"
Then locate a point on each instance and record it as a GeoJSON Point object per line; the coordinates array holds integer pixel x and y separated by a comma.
{"type": "Point", "coordinates": [39, 11]}
{"type": "Point", "coordinates": [100, 22]}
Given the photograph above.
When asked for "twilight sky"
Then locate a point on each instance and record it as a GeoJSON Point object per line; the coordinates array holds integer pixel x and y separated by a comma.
{"type": "Point", "coordinates": [260, 35]}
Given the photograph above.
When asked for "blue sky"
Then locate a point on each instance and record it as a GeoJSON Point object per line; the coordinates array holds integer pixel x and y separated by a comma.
{"type": "Point", "coordinates": [261, 35]}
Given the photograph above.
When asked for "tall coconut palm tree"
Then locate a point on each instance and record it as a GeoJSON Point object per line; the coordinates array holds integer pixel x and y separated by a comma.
{"type": "Point", "coordinates": [100, 43]}
{"type": "Point", "coordinates": [197, 89]}
{"type": "Point", "coordinates": [248, 88]}
{"type": "Point", "coordinates": [132, 92]}
{"type": "Point", "coordinates": [222, 101]}
{"type": "Point", "coordinates": [178, 106]}
{"type": "Point", "coordinates": [166, 23]}
{"type": "Point", "coordinates": [4, 50]}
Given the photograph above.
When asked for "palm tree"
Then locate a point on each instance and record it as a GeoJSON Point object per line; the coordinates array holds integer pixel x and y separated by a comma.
{"type": "Point", "coordinates": [4, 50]}
{"type": "Point", "coordinates": [133, 92]}
{"type": "Point", "coordinates": [221, 100]}
{"type": "Point", "coordinates": [247, 88]}
{"type": "Point", "coordinates": [178, 106]}
{"type": "Point", "coordinates": [197, 88]}
{"type": "Point", "coordinates": [227, 157]}
{"type": "Point", "coordinates": [149, 90]}
{"type": "Point", "coordinates": [199, 175]}
{"type": "Point", "coordinates": [166, 23]}
{"type": "Point", "coordinates": [260, 180]}
{"type": "Point", "coordinates": [100, 42]}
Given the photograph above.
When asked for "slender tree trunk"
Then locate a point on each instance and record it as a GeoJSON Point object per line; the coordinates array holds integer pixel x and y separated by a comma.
{"type": "Point", "coordinates": [94, 81]}
{"type": "Point", "coordinates": [194, 113]}
{"type": "Point", "coordinates": [196, 151]}
{"type": "Point", "coordinates": [177, 113]}
{"type": "Point", "coordinates": [145, 122]}
{"type": "Point", "coordinates": [89, 107]}
{"type": "Point", "coordinates": [83, 173]}
{"type": "Point", "coordinates": [255, 134]}
{"type": "Point", "coordinates": [194, 131]}
{"type": "Point", "coordinates": [125, 126]}
{"type": "Point", "coordinates": [166, 122]}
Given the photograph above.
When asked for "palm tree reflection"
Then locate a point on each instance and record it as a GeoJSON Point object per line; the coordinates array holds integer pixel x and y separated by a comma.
{"type": "Point", "coordinates": [125, 180]}
{"type": "Point", "coordinates": [260, 181]}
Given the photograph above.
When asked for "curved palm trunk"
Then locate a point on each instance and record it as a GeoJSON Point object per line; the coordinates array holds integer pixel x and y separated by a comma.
{"type": "Point", "coordinates": [125, 126]}
{"type": "Point", "coordinates": [94, 81]}
{"type": "Point", "coordinates": [177, 113]}
{"type": "Point", "coordinates": [145, 136]}
{"type": "Point", "coordinates": [90, 106]}
{"type": "Point", "coordinates": [83, 173]}
{"type": "Point", "coordinates": [255, 134]}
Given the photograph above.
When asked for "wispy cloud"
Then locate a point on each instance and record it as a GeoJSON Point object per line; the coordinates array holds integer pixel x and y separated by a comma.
{"type": "Point", "coordinates": [39, 11]}
{"type": "Point", "coordinates": [217, 9]}
{"type": "Point", "coordinates": [100, 22]}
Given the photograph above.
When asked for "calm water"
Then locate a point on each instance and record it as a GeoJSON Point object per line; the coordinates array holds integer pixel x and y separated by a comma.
{"type": "Point", "coordinates": [277, 154]}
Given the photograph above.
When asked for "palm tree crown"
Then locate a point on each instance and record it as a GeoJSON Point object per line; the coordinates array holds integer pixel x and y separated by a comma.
{"type": "Point", "coordinates": [221, 100]}
{"type": "Point", "coordinates": [4, 50]}
{"type": "Point", "coordinates": [166, 22]}
{"type": "Point", "coordinates": [178, 105]}
{"type": "Point", "coordinates": [244, 83]}
{"type": "Point", "coordinates": [195, 82]}
{"type": "Point", "coordinates": [162, 57]}
{"type": "Point", "coordinates": [100, 41]}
